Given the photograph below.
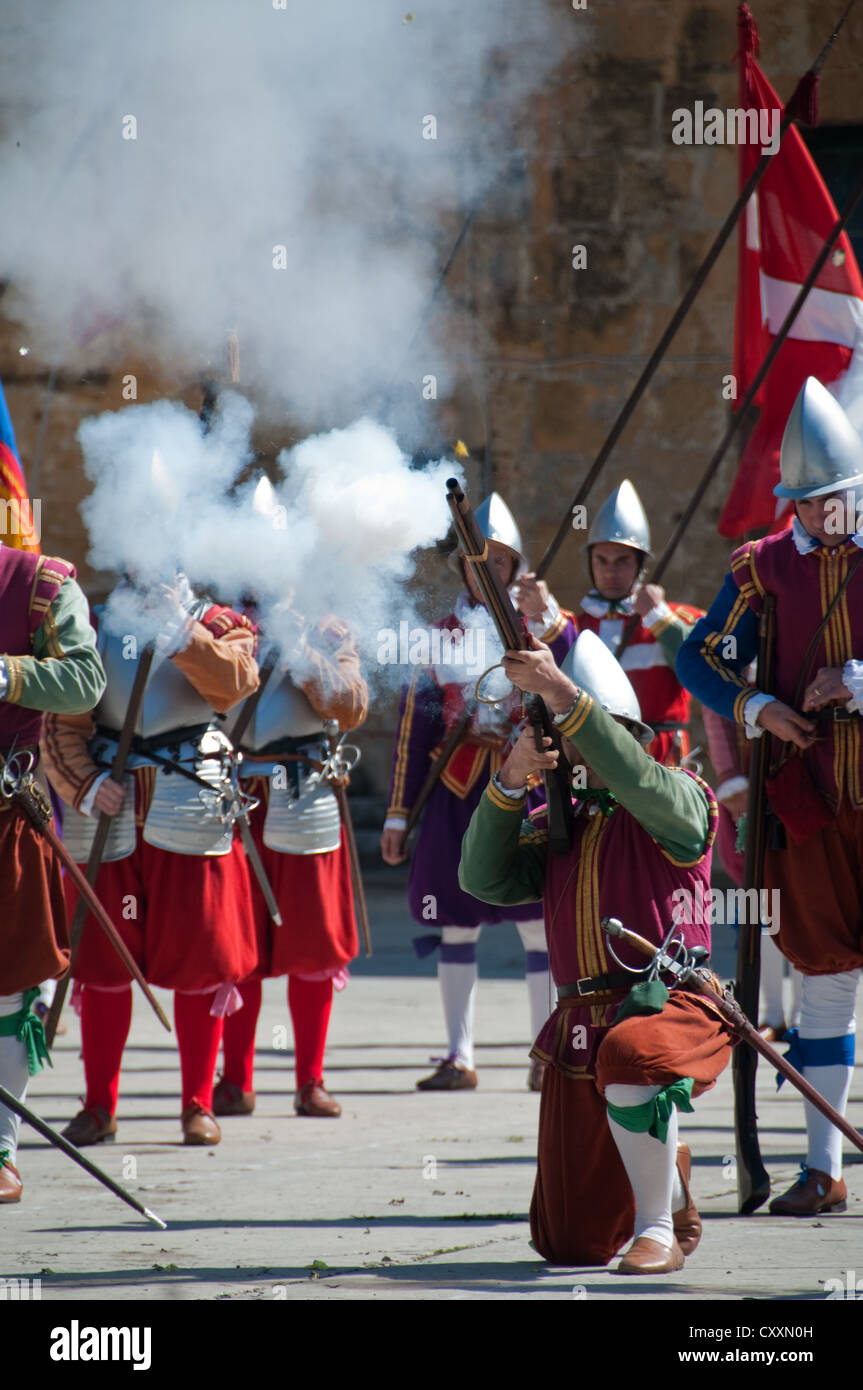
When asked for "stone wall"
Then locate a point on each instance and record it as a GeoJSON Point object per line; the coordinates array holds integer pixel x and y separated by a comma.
{"type": "Point", "coordinates": [549, 351]}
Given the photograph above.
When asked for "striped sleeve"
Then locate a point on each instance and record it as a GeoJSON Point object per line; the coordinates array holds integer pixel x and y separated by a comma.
{"type": "Point", "coordinates": [420, 729]}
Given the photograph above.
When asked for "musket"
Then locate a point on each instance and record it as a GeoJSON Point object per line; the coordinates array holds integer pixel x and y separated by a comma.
{"type": "Point", "coordinates": [97, 849]}
{"type": "Point", "coordinates": [512, 634]}
{"type": "Point", "coordinates": [738, 417]}
{"type": "Point", "coordinates": [797, 103]}
{"type": "Point", "coordinates": [754, 1184]}
{"type": "Point", "coordinates": [687, 968]}
{"type": "Point", "coordinates": [25, 1113]}
{"type": "Point", "coordinates": [336, 772]}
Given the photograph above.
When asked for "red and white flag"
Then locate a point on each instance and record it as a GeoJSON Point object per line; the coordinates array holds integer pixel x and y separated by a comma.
{"type": "Point", "coordinates": [785, 224]}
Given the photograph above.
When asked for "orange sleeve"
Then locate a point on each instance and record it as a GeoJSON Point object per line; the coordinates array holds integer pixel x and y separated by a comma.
{"type": "Point", "coordinates": [219, 660]}
{"type": "Point", "coordinates": [336, 688]}
{"type": "Point", "coordinates": [63, 747]}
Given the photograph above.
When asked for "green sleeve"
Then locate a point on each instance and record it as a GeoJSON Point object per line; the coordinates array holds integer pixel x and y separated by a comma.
{"type": "Point", "coordinates": [671, 633]}
{"type": "Point", "coordinates": [669, 805]}
{"type": "Point", "coordinates": [65, 673]}
{"type": "Point", "coordinates": [502, 856]}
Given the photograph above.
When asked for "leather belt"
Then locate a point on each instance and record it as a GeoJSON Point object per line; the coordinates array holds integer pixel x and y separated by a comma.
{"type": "Point", "coordinates": [834, 714]}
{"type": "Point", "coordinates": [596, 984]}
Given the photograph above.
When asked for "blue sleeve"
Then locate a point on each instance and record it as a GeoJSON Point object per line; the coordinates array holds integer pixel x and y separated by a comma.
{"type": "Point", "coordinates": [711, 661]}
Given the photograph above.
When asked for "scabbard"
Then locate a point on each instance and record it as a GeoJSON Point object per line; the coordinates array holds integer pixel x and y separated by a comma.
{"type": "Point", "coordinates": [354, 859]}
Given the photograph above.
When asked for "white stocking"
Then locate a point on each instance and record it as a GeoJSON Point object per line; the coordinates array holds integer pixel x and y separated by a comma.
{"type": "Point", "coordinates": [650, 1165]}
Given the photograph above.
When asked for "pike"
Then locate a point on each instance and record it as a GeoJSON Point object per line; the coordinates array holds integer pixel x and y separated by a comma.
{"type": "Point", "coordinates": [801, 101]}
{"type": "Point", "coordinates": [514, 638]}
{"type": "Point", "coordinates": [25, 1113]}
{"type": "Point", "coordinates": [739, 416]}
{"type": "Point", "coordinates": [687, 968]}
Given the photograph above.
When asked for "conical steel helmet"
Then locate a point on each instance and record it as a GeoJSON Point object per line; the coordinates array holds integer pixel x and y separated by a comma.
{"type": "Point", "coordinates": [821, 450]}
{"type": "Point", "coordinates": [593, 668]}
{"type": "Point", "coordinates": [497, 523]}
{"type": "Point", "coordinates": [621, 519]}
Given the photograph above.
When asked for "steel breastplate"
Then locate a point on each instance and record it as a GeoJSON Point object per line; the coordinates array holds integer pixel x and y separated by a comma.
{"type": "Point", "coordinates": [283, 712]}
{"type": "Point", "coordinates": [170, 700]}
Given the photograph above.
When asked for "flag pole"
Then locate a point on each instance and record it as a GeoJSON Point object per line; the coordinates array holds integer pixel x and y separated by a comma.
{"type": "Point", "coordinates": [737, 418]}
{"type": "Point", "coordinates": [801, 99]}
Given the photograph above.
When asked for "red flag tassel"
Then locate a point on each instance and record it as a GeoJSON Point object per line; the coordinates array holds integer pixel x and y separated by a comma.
{"type": "Point", "coordinates": [747, 31]}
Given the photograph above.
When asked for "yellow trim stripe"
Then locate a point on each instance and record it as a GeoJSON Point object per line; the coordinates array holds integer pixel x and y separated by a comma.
{"type": "Point", "coordinates": [504, 803]}
{"type": "Point", "coordinates": [577, 715]}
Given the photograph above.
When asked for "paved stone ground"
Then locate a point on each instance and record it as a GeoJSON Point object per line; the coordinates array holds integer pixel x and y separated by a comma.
{"type": "Point", "coordinates": [408, 1195]}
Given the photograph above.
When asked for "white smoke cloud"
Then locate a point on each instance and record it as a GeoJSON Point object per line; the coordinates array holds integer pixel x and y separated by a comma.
{"type": "Point", "coordinates": [256, 128]}
{"type": "Point", "coordinates": [350, 514]}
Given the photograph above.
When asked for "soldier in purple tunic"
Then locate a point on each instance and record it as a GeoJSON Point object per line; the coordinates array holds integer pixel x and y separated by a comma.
{"type": "Point", "coordinates": [431, 704]}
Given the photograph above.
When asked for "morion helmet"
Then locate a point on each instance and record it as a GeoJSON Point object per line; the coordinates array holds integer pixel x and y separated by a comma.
{"type": "Point", "coordinates": [593, 668]}
{"type": "Point", "coordinates": [621, 519]}
{"type": "Point", "coordinates": [497, 523]}
{"type": "Point", "coordinates": [821, 450]}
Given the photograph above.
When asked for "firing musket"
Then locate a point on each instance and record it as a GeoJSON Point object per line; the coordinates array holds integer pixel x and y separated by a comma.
{"type": "Point", "coordinates": [25, 1113]}
{"type": "Point", "coordinates": [687, 968]}
{"type": "Point", "coordinates": [513, 635]}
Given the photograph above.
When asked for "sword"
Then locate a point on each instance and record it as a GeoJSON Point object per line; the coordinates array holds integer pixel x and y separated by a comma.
{"type": "Point", "coordinates": [19, 1108]}
{"type": "Point", "coordinates": [18, 782]}
{"type": "Point", "coordinates": [673, 957]}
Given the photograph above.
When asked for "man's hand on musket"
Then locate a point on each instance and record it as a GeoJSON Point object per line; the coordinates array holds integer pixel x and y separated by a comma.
{"type": "Point", "coordinates": [531, 595]}
{"type": "Point", "coordinates": [826, 687]}
{"type": "Point", "coordinates": [109, 798]}
{"type": "Point", "coordinates": [787, 724]}
{"type": "Point", "coordinates": [535, 671]}
{"type": "Point", "coordinates": [525, 759]}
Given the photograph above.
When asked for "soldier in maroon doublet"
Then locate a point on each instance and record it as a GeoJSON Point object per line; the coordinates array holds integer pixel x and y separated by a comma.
{"type": "Point", "coordinates": [618, 546]}
{"type": "Point", "coordinates": [48, 661]}
{"type": "Point", "coordinates": [608, 1162]}
{"type": "Point", "coordinates": [302, 846]}
{"type": "Point", "coordinates": [174, 877]}
{"type": "Point", "coordinates": [813, 719]}
{"type": "Point", "coordinates": [431, 704]}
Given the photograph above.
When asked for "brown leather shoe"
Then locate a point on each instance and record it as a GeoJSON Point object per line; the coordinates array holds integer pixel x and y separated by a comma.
{"type": "Point", "coordinates": [450, 1076]}
{"type": "Point", "coordinates": [646, 1256]}
{"type": "Point", "coordinates": [686, 1222]}
{"type": "Point", "coordinates": [812, 1193]}
{"type": "Point", "coordinates": [199, 1126]}
{"type": "Point", "coordinates": [92, 1126]}
{"type": "Point", "coordinates": [229, 1099]}
{"type": "Point", "coordinates": [313, 1100]}
{"type": "Point", "coordinates": [11, 1185]}
{"type": "Point", "coordinates": [535, 1075]}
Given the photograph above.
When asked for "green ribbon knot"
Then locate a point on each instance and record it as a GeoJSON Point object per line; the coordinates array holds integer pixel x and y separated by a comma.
{"type": "Point", "coordinates": [27, 1028]}
{"type": "Point", "coordinates": [605, 799]}
{"type": "Point", "coordinates": [653, 1116]}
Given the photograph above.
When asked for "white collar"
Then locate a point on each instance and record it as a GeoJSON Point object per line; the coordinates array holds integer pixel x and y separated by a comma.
{"type": "Point", "coordinates": [805, 544]}
{"type": "Point", "coordinates": [599, 607]}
